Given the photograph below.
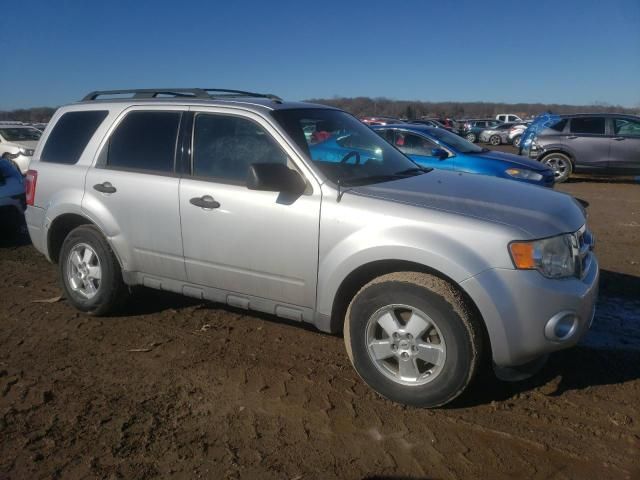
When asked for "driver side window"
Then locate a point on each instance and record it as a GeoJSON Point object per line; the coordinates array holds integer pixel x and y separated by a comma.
{"type": "Point", "coordinates": [224, 147]}
{"type": "Point", "coordinates": [411, 144]}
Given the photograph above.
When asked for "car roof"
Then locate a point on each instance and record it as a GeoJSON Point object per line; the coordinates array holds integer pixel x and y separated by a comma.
{"type": "Point", "coordinates": [416, 127]}
{"type": "Point", "coordinates": [578, 115]}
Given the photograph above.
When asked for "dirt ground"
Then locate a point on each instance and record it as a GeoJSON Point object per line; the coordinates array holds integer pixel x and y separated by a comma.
{"type": "Point", "coordinates": [177, 388]}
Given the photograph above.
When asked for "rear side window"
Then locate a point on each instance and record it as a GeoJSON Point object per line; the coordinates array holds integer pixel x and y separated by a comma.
{"type": "Point", "coordinates": [590, 125]}
{"type": "Point", "coordinates": [145, 141]}
{"type": "Point", "coordinates": [70, 136]}
{"type": "Point", "coordinates": [626, 127]}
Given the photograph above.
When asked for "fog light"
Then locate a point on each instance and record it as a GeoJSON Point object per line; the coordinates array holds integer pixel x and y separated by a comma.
{"type": "Point", "coordinates": [561, 326]}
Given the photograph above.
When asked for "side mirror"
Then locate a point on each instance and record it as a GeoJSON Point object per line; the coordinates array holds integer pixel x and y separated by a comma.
{"type": "Point", "coordinates": [275, 177]}
{"type": "Point", "coordinates": [440, 153]}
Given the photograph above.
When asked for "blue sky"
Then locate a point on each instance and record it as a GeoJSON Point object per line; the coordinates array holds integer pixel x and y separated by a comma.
{"type": "Point", "coordinates": [575, 52]}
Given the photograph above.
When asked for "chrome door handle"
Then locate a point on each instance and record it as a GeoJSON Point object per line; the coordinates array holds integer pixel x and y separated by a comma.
{"type": "Point", "coordinates": [618, 138]}
{"type": "Point", "coordinates": [207, 202]}
{"type": "Point", "coordinates": [105, 187]}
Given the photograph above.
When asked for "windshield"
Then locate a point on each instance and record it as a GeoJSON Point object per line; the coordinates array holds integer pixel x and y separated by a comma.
{"type": "Point", "coordinates": [20, 134]}
{"type": "Point", "coordinates": [454, 141]}
{"type": "Point", "coordinates": [343, 148]}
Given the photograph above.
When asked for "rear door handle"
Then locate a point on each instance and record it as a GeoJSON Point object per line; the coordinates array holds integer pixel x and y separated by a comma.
{"type": "Point", "coordinates": [105, 187]}
{"type": "Point", "coordinates": [619, 138]}
{"type": "Point", "coordinates": [571, 137]}
{"type": "Point", "coordinates": [207, 202]}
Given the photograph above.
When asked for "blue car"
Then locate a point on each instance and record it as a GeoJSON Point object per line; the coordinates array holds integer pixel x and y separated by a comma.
{"type": "Point", "coordinates": [437, 148]}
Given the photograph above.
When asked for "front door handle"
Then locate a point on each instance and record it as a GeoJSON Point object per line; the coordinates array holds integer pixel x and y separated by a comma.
{"type": "Point", "coordinates": [571, 137]}
{"type": "Point", "coordinates": [207, 202]}
{"type": "Point", "coordinates": [105, 187]}
{"type": "Point", "coordinates": [618, 138]}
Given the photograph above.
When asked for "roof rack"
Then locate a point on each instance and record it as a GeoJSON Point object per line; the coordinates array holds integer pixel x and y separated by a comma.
{"type": "Point", "coordinates": [207, 93]}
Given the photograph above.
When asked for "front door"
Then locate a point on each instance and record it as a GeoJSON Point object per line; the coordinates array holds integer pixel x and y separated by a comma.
{"type": "Point", "coordinates": [254, 243]}
{"type": "Point", "coordinates": [420, 150]}
{"type": "Point", "coordinates": [624, 157]}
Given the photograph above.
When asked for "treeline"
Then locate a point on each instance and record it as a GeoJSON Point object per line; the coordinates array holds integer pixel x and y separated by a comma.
{"type": "Point", "coordinates": [365, 106]}
{"type": "Point", "coordinates": [29, 115]}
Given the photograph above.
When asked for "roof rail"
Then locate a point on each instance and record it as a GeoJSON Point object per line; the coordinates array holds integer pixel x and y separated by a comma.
{"type": "Point", "coordinates": [207, 93]}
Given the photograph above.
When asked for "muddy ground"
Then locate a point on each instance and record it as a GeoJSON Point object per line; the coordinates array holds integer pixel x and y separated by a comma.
{"type": "Point", "coordinates": [176, 388]}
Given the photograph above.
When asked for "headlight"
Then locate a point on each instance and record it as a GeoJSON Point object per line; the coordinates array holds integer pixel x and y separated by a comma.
{"type": "Point", "coordinates": [523, 174]}
{"type": "Point", "coordinates": [27, 152]}
{"type": "Point", "coordinates": [553, 257]}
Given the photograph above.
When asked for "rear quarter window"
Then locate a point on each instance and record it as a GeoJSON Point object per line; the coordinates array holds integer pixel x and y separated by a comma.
{"type": "Point", "coordinates": [70, 136]}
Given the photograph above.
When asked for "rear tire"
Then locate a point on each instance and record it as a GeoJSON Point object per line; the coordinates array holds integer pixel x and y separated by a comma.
{"type": "Point", "coordinates": [471, 137]}
{"type": "Point", "coordinates": [90, 273]}
{"type": "Point", "coordinates": [560, 164]}
{"type": "Point", "coordinates": [430, 347]}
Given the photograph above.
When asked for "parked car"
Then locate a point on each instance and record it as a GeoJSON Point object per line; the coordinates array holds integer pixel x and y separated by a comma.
{"type": "Point", "coordinates": [515, 133]}
{"type": "Point", "coordinates": [432, 122]}
{"type": "Point", "coordinates": [429, 272]}
{"type": "Point", "coordinates": [588, 143]}
{"type": "Point", "coordinates": [471, 129]}
{"type": "Point", "coordinates": [508, 118]}
{"type": "Point", "coordinates": [17, 143]}
{"type": "Point", "coordinates": [434, 148]}
{"type": "Point", "coordinates": [496, 135]}
{"type": "Point", "coordinates": [12, 195]}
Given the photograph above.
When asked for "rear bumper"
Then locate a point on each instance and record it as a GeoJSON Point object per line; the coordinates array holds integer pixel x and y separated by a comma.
{"type": "Point", "coordinates": [34, 217]}
{"type": "Point", "coordinates": [521, 309]}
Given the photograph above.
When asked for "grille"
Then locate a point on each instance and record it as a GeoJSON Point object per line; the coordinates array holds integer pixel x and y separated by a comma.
{"type": "Point", "coordinates": [584, 242]}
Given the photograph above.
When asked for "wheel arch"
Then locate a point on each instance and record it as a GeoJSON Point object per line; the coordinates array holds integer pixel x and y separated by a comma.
{"type": "Point", "coordinates": [365, 273]}
{"type": "Point", "coordinates": [561, 150]}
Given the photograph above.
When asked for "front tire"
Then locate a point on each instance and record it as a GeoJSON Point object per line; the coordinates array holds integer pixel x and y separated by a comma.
{"type": "Point", "coordinates": [560, 164]}
{"type": "Point", "coordinates": [471, 137]}
{"type": "Point", "coordinates": [412, 338]}
{"type": "Point", "coordinates": [516, 141]}
{"type": "Point", "coordinates": [495, 140]}
{"type": "Point", "coordinates": [90, 273]}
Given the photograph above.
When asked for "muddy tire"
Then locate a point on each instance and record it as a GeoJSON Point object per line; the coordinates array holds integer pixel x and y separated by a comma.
{"type": "Point", "coordinates": [90, 273]}
{"type": "Point", "coordinates": [412, 338]}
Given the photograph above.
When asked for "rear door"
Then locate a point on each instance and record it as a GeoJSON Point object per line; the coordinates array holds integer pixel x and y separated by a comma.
{"type": "Point", "coordinates": [133, 192]}
{"type": "Point", "coordinates": [588, 143]}
{"type": "Point", "coordinates": [624, 156]}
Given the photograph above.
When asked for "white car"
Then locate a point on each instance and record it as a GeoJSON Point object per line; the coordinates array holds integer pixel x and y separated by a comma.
{"type": "Point", "coordinates": [17, 143]}
{"type": "Point", "coordinates": [515, 133]}
{"type": "Point", "coordinates": [508, 118]}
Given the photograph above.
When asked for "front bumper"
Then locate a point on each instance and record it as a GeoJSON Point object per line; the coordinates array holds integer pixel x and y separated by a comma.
{"type": "Point", "coordinates": [520, 307]}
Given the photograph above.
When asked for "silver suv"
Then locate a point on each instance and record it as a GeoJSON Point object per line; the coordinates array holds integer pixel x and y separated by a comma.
{"type": "Point", "coordinates": [303, 212]}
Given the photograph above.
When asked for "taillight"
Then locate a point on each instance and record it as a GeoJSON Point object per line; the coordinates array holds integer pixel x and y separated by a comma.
{"type": "Point", "coordinates": [30, 187]}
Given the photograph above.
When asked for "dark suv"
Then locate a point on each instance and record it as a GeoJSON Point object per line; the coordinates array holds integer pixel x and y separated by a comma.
{"type": "Point", "coordinates": [590, 143]}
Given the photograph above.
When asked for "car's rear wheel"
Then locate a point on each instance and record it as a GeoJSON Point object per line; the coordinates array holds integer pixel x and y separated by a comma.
{"type": "Point", "coordinates": [412, 338]}
{"type": "Point", "coordinates": [560, 164]}
{"type": "Point", "coordinates": [471, 137]}
{"type": "Point", "coordinates": [495, 140]}
{"type": "Point", "coordinates": [516, 141]}
{"type": "Point", "coordinates": [90, 273]}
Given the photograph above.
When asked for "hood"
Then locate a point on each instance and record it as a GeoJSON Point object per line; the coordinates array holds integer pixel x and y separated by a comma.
{"type": "Point", "coordinates": [516, 160]}
{"type": "Point", "coordinates": [538, 212]}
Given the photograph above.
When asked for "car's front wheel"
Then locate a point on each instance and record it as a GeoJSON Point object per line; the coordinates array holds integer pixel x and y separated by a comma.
{"type": "Point", "coordinates": [495, 140]}
{"type": "Point", "coordinates": [560, 164]}
{"type": "Point", "coordinates": [516, 141]}
{"type": "Point", "coordinates": [471, 137]}
{"type": "Point", "coordinates": [90, 273]}
{"type": "Point", "coordinates": [413, 339]}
